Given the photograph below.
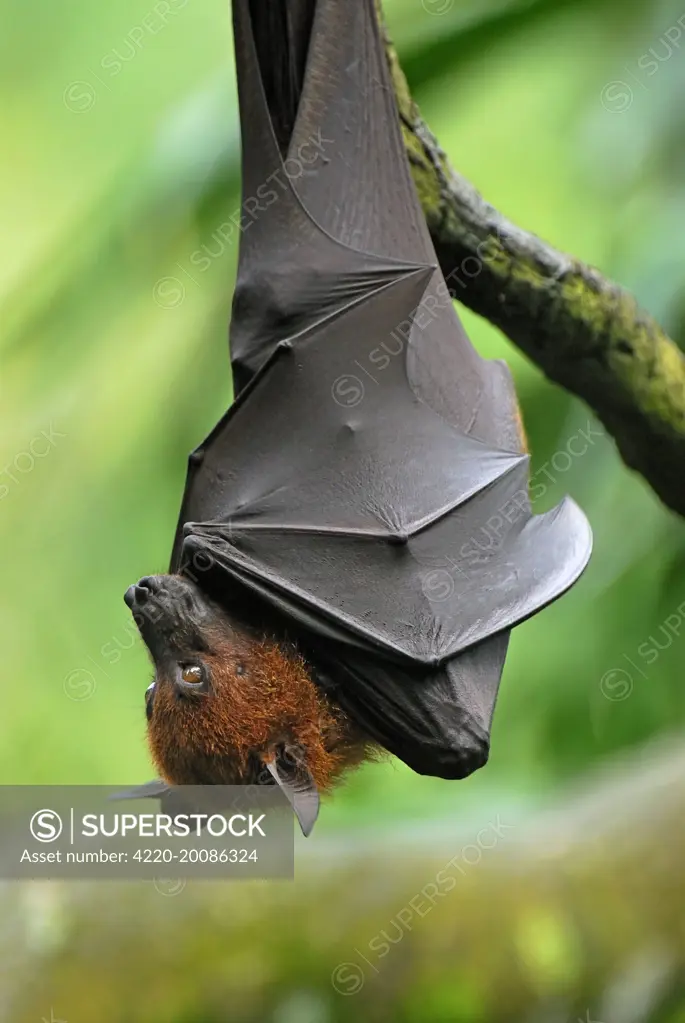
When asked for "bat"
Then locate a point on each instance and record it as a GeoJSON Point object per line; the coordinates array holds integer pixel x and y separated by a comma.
{"type": "Point", "coordinates": [356, 539]}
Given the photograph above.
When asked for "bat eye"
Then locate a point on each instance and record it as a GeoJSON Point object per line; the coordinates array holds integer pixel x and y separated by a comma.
{"type": "Point", "coordinates": [191, 674]}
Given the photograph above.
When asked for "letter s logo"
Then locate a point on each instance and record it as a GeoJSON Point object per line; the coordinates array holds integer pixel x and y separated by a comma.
{"type": "Point", "coordinates": [46, 825]}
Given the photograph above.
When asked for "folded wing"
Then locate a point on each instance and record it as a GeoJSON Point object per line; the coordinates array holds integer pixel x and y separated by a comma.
{"type": "Point", "coordinates": [368, 484]}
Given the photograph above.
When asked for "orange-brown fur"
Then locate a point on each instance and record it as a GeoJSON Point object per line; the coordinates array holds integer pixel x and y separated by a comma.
{"type": "Point", "coordinates": [262, 694]}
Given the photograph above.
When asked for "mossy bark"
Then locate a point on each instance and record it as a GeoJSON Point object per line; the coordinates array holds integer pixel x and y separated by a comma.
{"type": "Point", "coordinates": [573, 913]}
{"type": "Point", "coordinates": [586, 332]}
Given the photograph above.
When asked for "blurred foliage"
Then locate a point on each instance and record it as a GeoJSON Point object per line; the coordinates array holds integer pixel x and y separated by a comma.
{"type": "Point", "coordinates": [120, 173]}
{"type": "Point", "coordinates": [511, 920]}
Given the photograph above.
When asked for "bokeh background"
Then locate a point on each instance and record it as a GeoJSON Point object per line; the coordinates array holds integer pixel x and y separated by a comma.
{"type": "Point", "coordinates": [563, 897]}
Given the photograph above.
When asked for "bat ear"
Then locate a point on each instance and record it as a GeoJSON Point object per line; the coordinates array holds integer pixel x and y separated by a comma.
{"type": "Point", "coordinates": [295, 779]}
{"type": "Point", "coordinates": [147, 791]}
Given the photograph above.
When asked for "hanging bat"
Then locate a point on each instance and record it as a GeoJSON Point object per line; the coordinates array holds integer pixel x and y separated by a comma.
{"type": "Point", "coordinates": [356, 539]}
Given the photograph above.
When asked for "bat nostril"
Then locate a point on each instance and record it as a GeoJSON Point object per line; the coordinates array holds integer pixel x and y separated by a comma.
{"type": "Point", "coordinates": [149, 582]}
{"type": "Point", "coordinates": [145, 588]}
{"type": "Point", "coordinates": [141, 591]}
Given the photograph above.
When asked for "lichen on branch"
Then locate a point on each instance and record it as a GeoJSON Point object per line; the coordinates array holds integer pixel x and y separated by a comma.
{"type": "Point", "coordinates": [585, 332]}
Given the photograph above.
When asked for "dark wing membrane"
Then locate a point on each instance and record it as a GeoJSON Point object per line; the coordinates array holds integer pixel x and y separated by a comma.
{"type": "Point", "coordinates": [356, 511]}
{"type": "Point", "coordinates": [291, 271]}
{"type": "Point", "coordinates": [293, 453]}
{"type": "Point", "coordinates": [390, 597]}
{"type": "Point", "coordinates": [368, 484]}
{"type": "Point", "coordinates": [436, 720]}
{"type": "Point", "coordinates": [281, 35]}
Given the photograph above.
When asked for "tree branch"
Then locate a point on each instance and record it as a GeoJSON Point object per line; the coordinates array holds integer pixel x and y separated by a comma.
{"type": "Point", "coordinates": [586, 333]}
{"type": "Point", "coordinates": [465, 913]}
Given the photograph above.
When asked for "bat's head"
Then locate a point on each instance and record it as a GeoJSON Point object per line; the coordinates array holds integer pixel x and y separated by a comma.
{"type": "Point", "coordinates": [228, 706]}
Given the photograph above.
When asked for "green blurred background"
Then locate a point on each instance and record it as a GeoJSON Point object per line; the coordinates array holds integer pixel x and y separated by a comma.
{"type": "Point", "coordinates": [120, 166]}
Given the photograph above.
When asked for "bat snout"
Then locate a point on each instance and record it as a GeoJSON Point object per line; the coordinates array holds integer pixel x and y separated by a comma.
{"type": "Point", "coordinates": [171, 614]}
{"type": "Point", "coordinates": [140, 593]}
{"type": "Point", "coordinates": [153, 612]}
